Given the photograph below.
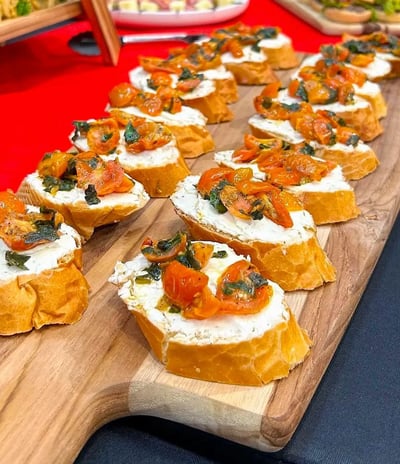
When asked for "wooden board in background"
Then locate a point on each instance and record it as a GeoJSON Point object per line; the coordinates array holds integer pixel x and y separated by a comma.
{"type": "Point", "coordinates": [317, 20]}
{"type": "Point", "coordinates": [59, 384]}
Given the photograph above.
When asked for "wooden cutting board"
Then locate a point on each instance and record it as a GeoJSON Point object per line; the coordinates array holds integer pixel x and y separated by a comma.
{"type": "Point", "coordinates": [59, 384]}
{"type": "Point", "coordinates": [317, 20]}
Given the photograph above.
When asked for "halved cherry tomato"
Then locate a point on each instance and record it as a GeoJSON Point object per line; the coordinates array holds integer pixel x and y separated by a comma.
{"type": "Point", "coordinates": [205, 304]}
{"type": "Point", "coordinates": [271, 90]}
{"type": "Point", "coordinates": [106, 177]}
{"type": "Point", "coordinates": [276, 210]}
{"type": "Point", "coordinates": [151, 135]}
{"type": "Point", "coordinates": [236, 202]}
{"type": "Point", "coordinates": [10, 202]}
{"type": "Point", "coordinates": [211, 178]}
{"type": "Point", "coordinates": [182, 284]}
{"type": "Point", "coordinates": [242, 290]}
{"type": "Point", "coordinates": [122, 94]}
{"type": "Point", "coordinates": [103, 136]}
{"type": "Point", "coordinates": [54, 164]}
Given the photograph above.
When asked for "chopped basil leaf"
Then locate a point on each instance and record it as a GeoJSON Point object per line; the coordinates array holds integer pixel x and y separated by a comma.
{"type": "Point", "coordinates": [15, 259]}
{"type": "Point", "coordinates": [45, 230]}
{"type": "Point", "coordinates": [131, 135]}
{"type": "Point", "coordinates": [258, 280]}
{"type": "Point", "coordinates": [91, 195]}
{"type": "Point", "coordinates": [174, 309]}
{"type": "Point", "coordinates": [220, 254]}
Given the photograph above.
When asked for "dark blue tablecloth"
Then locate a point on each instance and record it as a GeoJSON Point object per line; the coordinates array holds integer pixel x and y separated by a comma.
{"type": "Point", "coordinates": [354, 417]}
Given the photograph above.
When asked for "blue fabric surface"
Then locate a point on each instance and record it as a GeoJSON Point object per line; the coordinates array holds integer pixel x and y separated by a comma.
{"type": "Point", "coordinates": [353, 418]}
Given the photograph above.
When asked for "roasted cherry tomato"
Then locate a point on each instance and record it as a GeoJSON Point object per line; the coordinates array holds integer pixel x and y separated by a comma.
{"type": "Point", "coordinates": [182, 284]}
{"type": "Point", "coordinates": [242, 290]}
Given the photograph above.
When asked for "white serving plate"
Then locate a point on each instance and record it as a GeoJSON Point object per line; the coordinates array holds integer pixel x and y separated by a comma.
{"type": "Point", "coordinates": [182, 18]}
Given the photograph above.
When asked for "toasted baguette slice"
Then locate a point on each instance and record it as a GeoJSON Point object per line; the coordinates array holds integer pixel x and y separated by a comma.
{"type": "Point", "coordinates": [329, 200]}
{"type": "Point", "coordinates": [386, 47]}
{"type": "Point", "coordinates": [292, 257]}
{"type": "Point", "coordinates": [356, 161]}
{"type": "Point", "coordinates": [188, 126]}
{"type": "Point", "coordinates": [251, 349]}
{"type": "Point", "coordinates": [280, 52]}
{"type": "Point", "coordinates": [358, 115]}
{"type": "Point", "coordinates": [77, 212]}
{"type": "Point", "coordinates": [50, 290]}
{"type": "Point", "coordinates": [225, 83]}
{"type": "Point", "coordinates": [159, 169]}
{"type": "Point", "coordinates": [204, 98]}
{"type": "Point", "coordinates": [370, 90]}
{"type": "Point", "coordinates": [253, 68]}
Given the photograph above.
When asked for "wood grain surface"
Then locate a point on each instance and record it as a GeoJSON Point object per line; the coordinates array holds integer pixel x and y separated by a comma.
{"type": "Point", "coordinates": [59, 384]}
{"type": "Point", "coordinates": [325, 25]}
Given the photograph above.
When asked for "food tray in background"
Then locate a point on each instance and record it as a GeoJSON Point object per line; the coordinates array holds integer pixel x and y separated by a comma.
{"type": "Point", "coordinates": [60, 384]}
{"type": "Point", "coordinates": [328, 27]}
{"type": "Point", "coordinates": [37, 20]}
{"type": "Point", "coordinates": [215, 12]}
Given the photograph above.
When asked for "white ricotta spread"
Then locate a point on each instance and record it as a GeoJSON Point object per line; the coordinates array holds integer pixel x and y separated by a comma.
{"type": "Point", "coordinates": [136, 196]}
{"type": "Point", "coordinates": [249, 55]}
{"type": "Point", "coordinates": [167, 154]}
{"type": "Point", "coordinates": [359, 103]}
{"type": "Point", "coordinates": [276, 127]}
{"type": "Point", "coordinates": [186, 117]}
{"type": "Point", "coordinates": [42, 257]}
{"type": "Point", "coordinates": [218, 73]}
{"type": "Point", "coordinates": [222, 329]}
{"type": "Point", "coordinates": [333, 182]}
{"type": "Point", "coordinates": [276, 42]}
{"type": "Point", "coordinates": [285, 131]}
{"type": "Point", "coordinates": [138, 77]}
{"type": "Point", "coordinates": [187, 199]}
{"type": "Point", "coordinates": [374, 70]}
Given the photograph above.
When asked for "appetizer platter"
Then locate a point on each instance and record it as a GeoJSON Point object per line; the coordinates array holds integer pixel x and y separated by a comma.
{"type": "Point", "coordinates": [305, 11]}
{"type": "Point", "coordinates": [62, 382]}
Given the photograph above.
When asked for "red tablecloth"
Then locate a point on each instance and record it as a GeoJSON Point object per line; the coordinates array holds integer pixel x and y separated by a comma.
{"type": "Point", "coordinates": [44, 85]}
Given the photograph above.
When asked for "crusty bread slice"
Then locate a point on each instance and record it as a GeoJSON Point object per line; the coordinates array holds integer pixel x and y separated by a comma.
{"type": "Point", "coordinates": [77, 212]}
{"type": "Point", "coordinates": [293, 257]}
{"type": "Point", "coordinates": [280, 52]}
{"type": "Point", "coordinates": [204, 98]}
{"type": "Point", "coordinates": [252, 72]}
{"type": "Point", "coordinates": [329, 200]}
{"type": "Point", "coordinates": [213, 106]}
{"type": "Point", "coordinates": [52, 290]}
{"type": "Point", "coordinates": [359, 115]}
{"type": "Point", "coordinates": [356, 162]}
{"type": "Point", "coordinates": [251, 349]}
{"type": "Point", "coordinates": [188, 127]}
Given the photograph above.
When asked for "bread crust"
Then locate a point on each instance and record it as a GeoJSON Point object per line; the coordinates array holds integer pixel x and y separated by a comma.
{"type": "Point", "coordinates": [283, 57]}
{"type": "Point", "coordinates": [80, 215]}
{"type": "Point", "coordinates": [53, 296]}
{"type": "Point", "coordinates": [159, 181]}
{"type": "Point", "coordinates": [253, 362]}
{"type": "Point", "coordinates": [363, 120]}
{"type": "Point", "coordinates": [213, 107]}
{"type": "Point", "coordinates": [227, 89]}
{"type": "Point", "coordinates": [355, 164]}
{"type": "Point", "coordinates": [330, 207]}
{"type": "Point", "coordinates": [298, 266]}
{"type": "Point", "coordinates": [192, 141]}
{"type": "Point", "coordinates": [251, 349]}
{"type": "Point", "coordinates": [252, 72]}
